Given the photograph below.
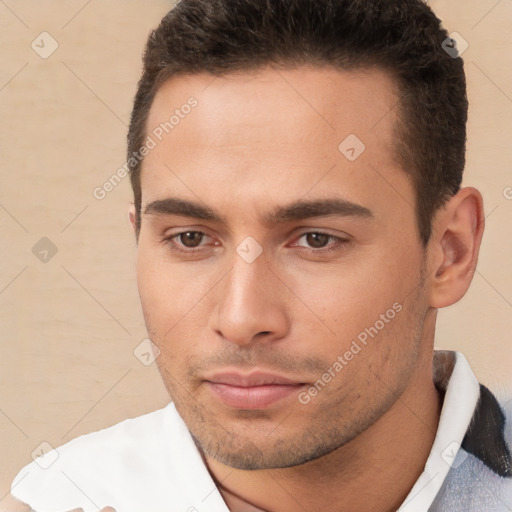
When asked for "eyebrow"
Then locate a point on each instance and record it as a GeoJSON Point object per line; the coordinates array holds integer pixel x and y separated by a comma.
{"type": "Point", "coordinates": [298, 210]}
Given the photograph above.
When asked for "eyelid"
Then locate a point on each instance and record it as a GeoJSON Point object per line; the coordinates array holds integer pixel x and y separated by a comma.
{"type": "Point", "coordinates": [178, 247]}
{"type": "Point", "coordinates": [339, 240]}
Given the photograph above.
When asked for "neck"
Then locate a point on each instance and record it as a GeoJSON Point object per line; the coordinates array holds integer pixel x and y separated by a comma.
{"type": "Point", "coordinates": [375, 471]}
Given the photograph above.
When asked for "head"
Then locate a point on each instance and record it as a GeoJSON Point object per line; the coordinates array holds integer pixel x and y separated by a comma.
{"type": "Point", "coordinates": [300, 216]}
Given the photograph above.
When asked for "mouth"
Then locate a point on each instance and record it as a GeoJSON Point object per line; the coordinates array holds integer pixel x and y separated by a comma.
{"type": "Point", "coordinates": [256, 390]}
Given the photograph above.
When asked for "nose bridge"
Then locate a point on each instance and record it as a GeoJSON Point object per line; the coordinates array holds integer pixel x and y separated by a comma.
{"type": "Point", "coordinates": [249, 303]}
{"type": "Point", "coordinates": [247, 285]}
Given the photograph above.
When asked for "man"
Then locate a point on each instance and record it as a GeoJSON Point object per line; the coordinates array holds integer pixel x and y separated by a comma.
{"type": "Point", "coordinates": [296, 167]}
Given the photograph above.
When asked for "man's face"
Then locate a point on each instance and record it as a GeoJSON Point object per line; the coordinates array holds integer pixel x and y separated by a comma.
{"type": "Point", "coordinates": [288, 320]}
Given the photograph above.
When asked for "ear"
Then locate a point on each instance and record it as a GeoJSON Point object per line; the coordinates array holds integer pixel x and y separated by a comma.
{"type": "Point", "coordinates": [133, 217]}
{"type": "Point", "coordinates": [453, 249]}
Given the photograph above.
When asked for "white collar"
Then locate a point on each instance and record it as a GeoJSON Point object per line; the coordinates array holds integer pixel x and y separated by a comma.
{"type": "Point", "coordinates": [462, 391]}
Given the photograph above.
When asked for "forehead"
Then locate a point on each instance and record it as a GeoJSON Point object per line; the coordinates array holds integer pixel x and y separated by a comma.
{"type": "Point", "coordinates": [273, 133]}
{"type": "Point", "coordinates": [305, 101]}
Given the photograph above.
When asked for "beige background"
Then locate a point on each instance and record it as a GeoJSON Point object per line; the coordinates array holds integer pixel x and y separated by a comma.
{"type": "Point", "coordinates": [69, 325]}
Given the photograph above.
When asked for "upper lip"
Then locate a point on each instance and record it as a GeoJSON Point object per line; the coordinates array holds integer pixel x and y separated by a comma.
{"type": "Point", "coordinates": [250, 380]}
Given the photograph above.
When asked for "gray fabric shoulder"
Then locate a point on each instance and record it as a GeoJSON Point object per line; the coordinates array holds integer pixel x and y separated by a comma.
{"type": "Point", "coordinates": [472, 487]}
{"type": "Point", "coordinates": [480, 481]}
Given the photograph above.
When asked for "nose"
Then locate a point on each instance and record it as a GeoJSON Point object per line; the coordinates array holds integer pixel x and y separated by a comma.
{"type": "Point", "coordinates": [250, 304]}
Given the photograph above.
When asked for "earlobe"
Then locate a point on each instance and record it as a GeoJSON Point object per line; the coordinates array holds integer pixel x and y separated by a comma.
{"type": "Point", "coordinates": [456, 243]}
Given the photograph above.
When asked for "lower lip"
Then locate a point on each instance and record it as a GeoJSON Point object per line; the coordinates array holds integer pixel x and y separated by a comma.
{"type": "Point", "coordinates": [254, 397]}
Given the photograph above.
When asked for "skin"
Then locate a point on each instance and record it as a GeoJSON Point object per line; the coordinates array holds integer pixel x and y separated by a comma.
{"type": "Point", "coordinates": [267, 139]}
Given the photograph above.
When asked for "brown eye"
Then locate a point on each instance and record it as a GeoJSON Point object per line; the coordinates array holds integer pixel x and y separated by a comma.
{"type": "Point", "coordinates": [317, 240]}
{"type": "Point", "coordinates": [191, 238]}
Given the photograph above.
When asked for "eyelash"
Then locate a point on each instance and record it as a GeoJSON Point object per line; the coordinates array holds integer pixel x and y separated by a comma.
{"type": "Point", "coordinates": [341, 241]}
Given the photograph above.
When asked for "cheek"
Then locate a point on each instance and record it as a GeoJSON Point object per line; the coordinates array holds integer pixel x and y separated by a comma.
{"type": "Point", "coordinates": [163, 291]}
{"type": "Point", "coordinates": [162, 285]}
{"type": "Point", "coordinates": [174, 298]}
{"type": "Point", "coordinates": [352, 294]}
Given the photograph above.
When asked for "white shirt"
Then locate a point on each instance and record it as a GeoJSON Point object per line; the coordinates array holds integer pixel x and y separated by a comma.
{"type": "Point", "coordinates": [151, 463]}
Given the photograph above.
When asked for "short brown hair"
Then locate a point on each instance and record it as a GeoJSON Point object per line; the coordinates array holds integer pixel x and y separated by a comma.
{"type": "Point", "coordinates": [403, 37]}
